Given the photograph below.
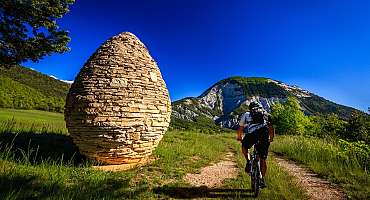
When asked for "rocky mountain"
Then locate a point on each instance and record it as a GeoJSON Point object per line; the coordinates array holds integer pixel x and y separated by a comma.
{"type": "Point", "coordinates": [226, 100]}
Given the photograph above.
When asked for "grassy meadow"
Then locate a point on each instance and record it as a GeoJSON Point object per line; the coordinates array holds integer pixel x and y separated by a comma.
{"type": "Point", "coordinates": [44, 165]}
{"type": "Point", "coordinates": [35, 121]}
{"type": "Point", "coordinates": [327, 158]}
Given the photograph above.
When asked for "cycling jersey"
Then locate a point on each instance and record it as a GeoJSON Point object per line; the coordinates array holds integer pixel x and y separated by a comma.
{"type": "Point", "coordinates": [246, 122]}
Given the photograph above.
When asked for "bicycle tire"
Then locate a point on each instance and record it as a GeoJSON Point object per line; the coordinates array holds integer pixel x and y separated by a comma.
{"type": "Point", "coordinates": [253, 185]}
{"type": "Point", "coordinates": [255, 179]}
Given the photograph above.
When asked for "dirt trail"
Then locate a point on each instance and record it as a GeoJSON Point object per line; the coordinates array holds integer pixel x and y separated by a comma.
{"type": "Point", "coordinates": [315, 187]}
{"type": "Point", "coordinates": [213, 176]}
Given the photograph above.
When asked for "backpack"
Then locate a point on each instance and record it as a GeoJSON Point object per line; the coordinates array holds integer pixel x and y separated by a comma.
{"type": "Point", "coordinates": [258, 116]}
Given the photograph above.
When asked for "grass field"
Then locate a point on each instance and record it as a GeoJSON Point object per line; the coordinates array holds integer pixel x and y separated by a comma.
{"type": "Point", "coordinates": [35, 121]}
{"type": "Point", "coordinates": [46, 165]}
{"type": "Point", "coordinates": [326, 159]}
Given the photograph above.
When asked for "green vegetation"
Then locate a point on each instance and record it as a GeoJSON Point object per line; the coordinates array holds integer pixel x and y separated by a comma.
{"type": "Point", "coordinates": [48, 166]}
{"type": "Point", "coordinates": [32, 121]}
{"type": "Point", "coordinates": [338, 161]}
{"type": "Point", "coordinates": [29, 177]}
{"type": "Point", "coordinates": [358, 128]}
{"type": "Point", "coordinates": [288, 118]}
{"type": "Point", "coordinates": [41, 82]}
{"type": "Point", "coordinates": [327, 126]}
{"type": "Point", "coordinates": [24, 88]}
{"type": "Point", "coordinates": [316, 105]}
{"type": "Point", "coordinates": [29, 30]}
{"type": "Point", "coordinates": [16, 95]}
{"type": "Point", "coordinates": [200, 124]}
{"type": "Point", "coordinates": [256, 86]}
{"type": "Point", "coordinates": [335, 149]}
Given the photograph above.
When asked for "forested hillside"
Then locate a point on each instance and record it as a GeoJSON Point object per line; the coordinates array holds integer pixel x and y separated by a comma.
{"type": "Point", "coordinates": [23, 88]}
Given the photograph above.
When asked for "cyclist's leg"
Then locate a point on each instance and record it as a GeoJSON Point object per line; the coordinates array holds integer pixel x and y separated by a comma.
{"type": "Point", "coordinates": [262, 147]}
{"type": "Point", "coordinates": [263, 167]}
{"type": "Point", "coordinates": [245, 153]}
{"type": "Point", "coordinates": [248, 141]}
{"type": "Point", "coordinates": [263, 172]}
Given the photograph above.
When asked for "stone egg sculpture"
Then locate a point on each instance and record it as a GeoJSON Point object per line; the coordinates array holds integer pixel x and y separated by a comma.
{"type": "Point", "coordinates": [118, 107]}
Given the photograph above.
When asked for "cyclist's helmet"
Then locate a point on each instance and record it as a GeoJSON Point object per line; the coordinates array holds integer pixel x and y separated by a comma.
{"type": "Point", "coordinates": [254, 105]}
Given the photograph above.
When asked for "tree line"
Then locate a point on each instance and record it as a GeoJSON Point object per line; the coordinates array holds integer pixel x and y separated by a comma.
{"type": "Point", "coordinates": [352, 134]}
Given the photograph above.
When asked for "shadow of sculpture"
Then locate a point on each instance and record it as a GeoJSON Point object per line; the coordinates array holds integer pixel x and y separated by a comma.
{"type": "Point", "coordinates": [202, 192]}
{"type": "Point", "coordinates": [60, 182]}
{"type": "Point", "coordinates": [35, 148]}
{"type": "Point", "coordinates": [31, 187]}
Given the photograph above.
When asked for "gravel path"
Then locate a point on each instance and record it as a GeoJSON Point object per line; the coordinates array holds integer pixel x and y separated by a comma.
{"type": "Point", "coordinates": [315, 187]}
{"type": "Point", "coordinates": [214, 175]}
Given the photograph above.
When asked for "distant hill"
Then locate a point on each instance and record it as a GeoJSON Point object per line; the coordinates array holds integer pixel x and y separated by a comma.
{"type": "Point", "coordinates": [219, 106]}
{"type": "Point", "coordinates": [225, 101]}
{"type": "Point", "coordinates": [24, 88]}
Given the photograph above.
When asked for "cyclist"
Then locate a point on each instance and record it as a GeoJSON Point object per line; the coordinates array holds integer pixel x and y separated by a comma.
{"type": "Point", "coordinates": [257, 128]}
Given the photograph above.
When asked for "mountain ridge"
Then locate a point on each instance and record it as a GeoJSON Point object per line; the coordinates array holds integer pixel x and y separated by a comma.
{"type": "Point", "coordinates": [227, 99]}
{"type": "Point", "coordinates": [222, 103]}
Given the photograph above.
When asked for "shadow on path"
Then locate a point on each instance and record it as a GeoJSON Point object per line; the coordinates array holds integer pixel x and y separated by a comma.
{"type": "Point", "coordinates": [202, 192]}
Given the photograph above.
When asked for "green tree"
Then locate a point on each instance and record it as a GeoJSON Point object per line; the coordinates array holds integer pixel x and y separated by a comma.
{"type": "Point", "coordinates": [315, 127]}
{"type": "Point", "coordinates": [358, 127]}
{"type": "Point", "coordinates": [288, 117]}
{"type": "Point", "coordinates": [326, 126]}
{"type": "Point", "coordinates": [333, 125]}
{"type": "Point", "coordinates": [28, 29]}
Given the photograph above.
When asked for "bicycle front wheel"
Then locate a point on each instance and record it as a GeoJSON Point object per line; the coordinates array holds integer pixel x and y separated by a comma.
{"type": "Point", "coordinates": [255, 180]}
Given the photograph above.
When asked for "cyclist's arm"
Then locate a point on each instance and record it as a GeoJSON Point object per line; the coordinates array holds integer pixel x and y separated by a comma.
{"type": "Point", "coordinates": [271, 132]}
{"type": "Point", "coordinates": [239, 133]}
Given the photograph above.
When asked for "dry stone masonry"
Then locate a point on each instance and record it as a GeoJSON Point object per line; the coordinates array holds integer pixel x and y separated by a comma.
{"type": "Point", "coordinates": [118, 107]}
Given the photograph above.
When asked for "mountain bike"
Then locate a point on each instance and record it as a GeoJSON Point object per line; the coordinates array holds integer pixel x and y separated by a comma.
{"type": "Point", "coordinates": [255, 173]}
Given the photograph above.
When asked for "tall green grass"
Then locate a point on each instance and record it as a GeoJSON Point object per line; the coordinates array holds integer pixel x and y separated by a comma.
{"type": "Point", "coordinates": [329, 160]}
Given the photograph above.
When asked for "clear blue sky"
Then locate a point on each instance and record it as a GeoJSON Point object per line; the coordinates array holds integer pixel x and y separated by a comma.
{"type": "Point", "coordinates": [320, 45]}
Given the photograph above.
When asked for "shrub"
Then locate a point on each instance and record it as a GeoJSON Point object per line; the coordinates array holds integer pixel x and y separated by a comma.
{"type": "Point", "coordinates": [358, 151]}
{"type": "Point", "coordinates": [288, 117]}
